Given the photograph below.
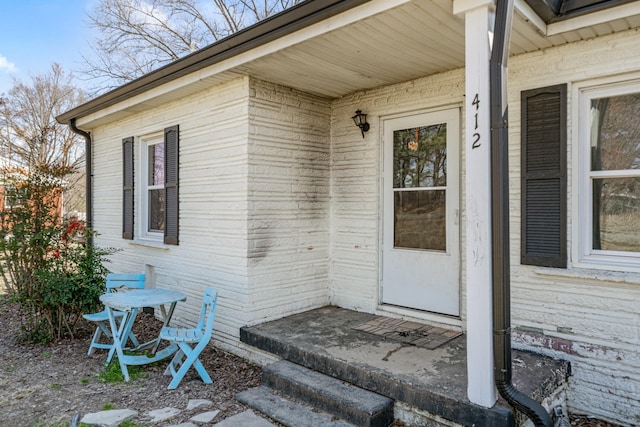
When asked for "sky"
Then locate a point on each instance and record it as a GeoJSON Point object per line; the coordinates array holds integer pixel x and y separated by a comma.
{"type": "Point", "coordinates": [36, 33]}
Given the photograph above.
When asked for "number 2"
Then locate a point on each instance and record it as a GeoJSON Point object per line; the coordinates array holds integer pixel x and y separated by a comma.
{"type": "Point", "coordinates": [476, 140]}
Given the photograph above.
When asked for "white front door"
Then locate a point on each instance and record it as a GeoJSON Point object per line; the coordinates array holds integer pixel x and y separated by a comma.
{"type": "Point", "coordinates": [421, 193]}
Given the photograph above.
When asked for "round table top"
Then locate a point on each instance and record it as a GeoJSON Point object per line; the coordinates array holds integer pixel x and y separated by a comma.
{"type": "Point", "coordinates": [128, 299]}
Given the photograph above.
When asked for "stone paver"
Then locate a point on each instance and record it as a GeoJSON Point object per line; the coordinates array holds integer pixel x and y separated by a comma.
{"type": "Point", "coordinates": [205, 417]}
{"type": "Point", "coordinates": [247, 418]}
{"type": "Point", "coordinates": [115, 417]}
{"type": "Point", "coordinates": [196, 403]}
{"type": "Point", "coordinates": [111, 418]}
{"type": "Point", "coordinates": [162, 414]}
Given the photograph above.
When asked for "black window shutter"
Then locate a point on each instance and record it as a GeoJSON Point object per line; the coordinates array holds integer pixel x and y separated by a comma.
{"type": "Point", "coordinates": [544, 176]}
{"type": "Point", "coordinates": [171, 162]}
{"type": "Point", "coordinates": [127, 188]}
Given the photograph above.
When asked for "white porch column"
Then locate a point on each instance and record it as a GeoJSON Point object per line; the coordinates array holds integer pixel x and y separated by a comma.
{"type": "Point", "coordinates": [479, 18]}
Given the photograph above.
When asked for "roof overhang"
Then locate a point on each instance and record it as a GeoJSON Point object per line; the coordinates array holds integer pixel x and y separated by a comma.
{"type": "Point", "coordinates": [331, 48]}
{"type": "Point", "coordinates": [272, 28]}
{"type": "Point", "coordinates": [559, 10]}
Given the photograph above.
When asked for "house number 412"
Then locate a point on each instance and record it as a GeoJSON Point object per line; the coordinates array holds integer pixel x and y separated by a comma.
{"type": "Point", "coordinates": [476, 136]}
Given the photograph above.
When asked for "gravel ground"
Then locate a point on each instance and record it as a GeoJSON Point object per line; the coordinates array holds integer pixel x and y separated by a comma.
{"type": "Point", "coordinates": [47, 385]}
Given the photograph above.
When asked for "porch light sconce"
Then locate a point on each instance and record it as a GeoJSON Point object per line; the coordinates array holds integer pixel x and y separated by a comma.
{"type": "Point", "coordinates": [360, 119]}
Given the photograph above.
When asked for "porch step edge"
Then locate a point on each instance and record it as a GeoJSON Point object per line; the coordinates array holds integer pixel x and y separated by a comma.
{"type": "Point", "coordinates": [285, 411]}
{"type": "Point", "coordinates": [448, 407]}
{"type": "Point", "coordinates": [346, 401]}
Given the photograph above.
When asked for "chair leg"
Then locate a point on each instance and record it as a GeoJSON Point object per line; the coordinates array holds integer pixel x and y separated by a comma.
{"type": "Point", "coordinates": [202, 372]}
{"type": "Point", "coordinates": [101, 329]}
{"type": "Point", "coordinates": [133, 340]}
{"type": "Point", "coordinates": [96, 338]}
{"type": "Point", "coordinates": [185, 363]}
{"type": "Point", "coordinates": [175, 363]}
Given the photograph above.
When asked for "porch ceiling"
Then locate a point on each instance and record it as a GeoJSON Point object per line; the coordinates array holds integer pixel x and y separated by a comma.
{"type": "Point", "coordinates": [414, 39]}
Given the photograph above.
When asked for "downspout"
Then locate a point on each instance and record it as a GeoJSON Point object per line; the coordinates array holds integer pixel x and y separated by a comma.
{"type": "Point", "coordinates": [500, 220]}
{"type": "Point", "coordinates": [88, 175]}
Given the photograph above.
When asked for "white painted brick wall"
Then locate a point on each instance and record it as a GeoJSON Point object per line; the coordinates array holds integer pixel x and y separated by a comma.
{"type": "Point", "coordinates": [588, 317]}
{"type": "Point", "coordinates": [254, 202]}
{"type": "Point", "coordinates": [355, 180]}
{"type": "Point", "coordinates": [288, 223]}
{"type": "Point", "coordinates": [213, 202]}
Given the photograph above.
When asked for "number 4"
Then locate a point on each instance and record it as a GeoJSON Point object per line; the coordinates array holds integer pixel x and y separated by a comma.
{"type": "Point", "coordinates": [476, 101]}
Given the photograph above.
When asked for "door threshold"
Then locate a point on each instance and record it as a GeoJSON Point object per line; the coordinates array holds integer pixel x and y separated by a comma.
{"type": "Point", "coordinates": [419, 315]}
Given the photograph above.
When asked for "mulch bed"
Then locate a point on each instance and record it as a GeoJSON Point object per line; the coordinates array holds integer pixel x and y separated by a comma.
{"type": "Point", "coordinates": [47, 385]}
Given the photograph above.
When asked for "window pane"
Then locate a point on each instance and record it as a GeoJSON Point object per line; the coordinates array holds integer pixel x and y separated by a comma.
{"type": "Point", "coordinates": [156, 210]}
{"type": "Point", "coordinates": [420, 157]}
{"type": "Point", "coordinates": [616, 214]}
{"type": "Point", "coordinates": [156, 164]}
{"type": "Point", "coordinates": [419, 220]}
{"type": "Point", "coordinates": [615, 133]}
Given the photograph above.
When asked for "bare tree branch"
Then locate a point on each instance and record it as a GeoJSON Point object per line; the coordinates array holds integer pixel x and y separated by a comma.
{"type": "Point", "coordinates": [31, 135]}
{"type": "Point", "coordinates": [138, 36]}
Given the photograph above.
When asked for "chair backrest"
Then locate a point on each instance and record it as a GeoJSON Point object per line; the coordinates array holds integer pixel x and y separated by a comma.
{"type": "Point", "coordinates": [116, 281]}
{"type": "Point", "coordinates": [207, 313]}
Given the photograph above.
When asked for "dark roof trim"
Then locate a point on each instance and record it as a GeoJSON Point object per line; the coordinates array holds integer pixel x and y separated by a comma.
{"type": "Point", "coordinates": [559, 10]}
{"type": "Point", "coordinates": [298, 17]}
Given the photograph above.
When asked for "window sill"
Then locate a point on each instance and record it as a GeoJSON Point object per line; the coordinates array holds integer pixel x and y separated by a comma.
{"type": "Point", "coordinates": [632, 278]}
{"type": "Point", "coordinates": [150, 244]}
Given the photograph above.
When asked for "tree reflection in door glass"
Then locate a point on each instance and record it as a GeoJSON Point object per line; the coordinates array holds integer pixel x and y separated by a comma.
{"type": "Point", "coordinates": [420, 164]}
{"type": "Point", "coordinates": [420, 157]}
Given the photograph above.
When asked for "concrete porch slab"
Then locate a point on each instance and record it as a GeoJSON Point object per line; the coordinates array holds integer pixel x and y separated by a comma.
{"type": "Point", "coordinates": [431, 380]}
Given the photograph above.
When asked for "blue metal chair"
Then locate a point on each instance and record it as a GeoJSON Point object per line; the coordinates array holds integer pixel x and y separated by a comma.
{"type": "Point", "coordinates": [101, 319]}
{"type": "Point", "coordinates": [188, 356]}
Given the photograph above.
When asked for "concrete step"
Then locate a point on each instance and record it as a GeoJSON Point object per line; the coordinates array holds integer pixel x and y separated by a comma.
{"type": "Point", "coordinates": [344, 400]}
{"type": "Point", "coordinates": [432, 381]}
{"type": "Point", "coordinates": [286, 411]}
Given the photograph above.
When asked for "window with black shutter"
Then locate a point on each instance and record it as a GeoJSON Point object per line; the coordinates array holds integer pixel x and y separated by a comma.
{"type": "Point", "coordinates": [127, 188]}
{"type": "Point", "coordinates": [544, 176]}
{"type": "Point", "coordinates": [157, 189]}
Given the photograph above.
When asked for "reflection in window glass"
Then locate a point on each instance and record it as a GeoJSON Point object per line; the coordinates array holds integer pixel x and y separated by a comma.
{"type": "Point", "coordinates": [616, 214]}
{"type": "Point", "coordinates": [156, 210]}
{"type": "Point", "coordinates": [420, 157]}
{"type": "Point", "coordinates": [155, 189]}
{"type": "Point", "coordinates": [615, 133]}
{"type": "Point", "coordinates": [420, 220]}
{"type": "Point", "coordinates": [615, 158]}
{"type": "Point", "coordinates": [156, 164]}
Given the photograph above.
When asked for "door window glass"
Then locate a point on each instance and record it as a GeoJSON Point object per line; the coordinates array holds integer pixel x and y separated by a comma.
{"type": "Point", "coordinates": [419, 187]}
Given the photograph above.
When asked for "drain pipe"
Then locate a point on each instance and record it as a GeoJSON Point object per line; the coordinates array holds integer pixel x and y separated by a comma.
{"type": "Point", "coordinates": [500, 220]}
{"type": "Point", "coordinates": [88, 175]}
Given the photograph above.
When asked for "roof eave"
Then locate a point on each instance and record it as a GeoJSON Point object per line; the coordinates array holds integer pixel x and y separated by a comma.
{"type": "Point", "coordinates": [300, 16]}
{"type": "Point", "coordinates": [554, 11]}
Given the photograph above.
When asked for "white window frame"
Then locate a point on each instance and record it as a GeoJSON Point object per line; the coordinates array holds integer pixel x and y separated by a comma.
{"type": "Point", "coordinates": [583, 254]}
{"type": "Point", "coordinates": [143, 187]}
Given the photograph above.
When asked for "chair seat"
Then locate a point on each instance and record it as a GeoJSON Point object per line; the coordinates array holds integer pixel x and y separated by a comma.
{"type": "Point", "coordinates": [188, 335]}
{"type": "Point", "coordinates": [101, 316]}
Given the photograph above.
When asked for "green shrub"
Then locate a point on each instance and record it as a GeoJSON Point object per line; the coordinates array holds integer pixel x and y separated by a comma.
{"type": "Point", "coordinates": [46, 264]}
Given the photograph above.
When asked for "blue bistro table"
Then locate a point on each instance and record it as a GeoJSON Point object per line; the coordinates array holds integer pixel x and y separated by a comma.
{"type": "Point", "coordinates": [130, 302]}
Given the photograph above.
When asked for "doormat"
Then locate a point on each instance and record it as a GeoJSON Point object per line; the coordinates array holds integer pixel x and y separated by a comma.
{"type": "Point", "coordinates": [412, 333]}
